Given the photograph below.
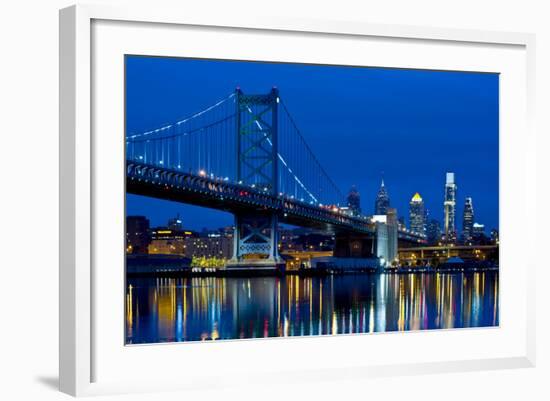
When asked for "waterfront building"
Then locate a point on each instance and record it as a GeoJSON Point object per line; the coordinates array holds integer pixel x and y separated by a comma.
{"type": "Point", "coordinates": [354, 201]}
{"type": "Point", "coordinates": [137, 234]}
{"type": "Point", "coordinates": [211, 246]}
{"type": "Point", "coordinates": [468, 220]}
{"type": "Point", "coordinates": [163, 247]}
{"type": "Point", "coordinates": [417, 214]}
{"type": "Point", "coordinates": [433, 231]}
{"type": "Point", "coordinates": [382, 202]}
{"type": "Point", "coordinates": [166, 241]}
{"type": "Point", "coordinates": [449, 205]}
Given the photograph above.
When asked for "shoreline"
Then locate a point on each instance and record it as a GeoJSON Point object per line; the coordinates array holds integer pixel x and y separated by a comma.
{"type": "Point", "coordinates": [303, 273]}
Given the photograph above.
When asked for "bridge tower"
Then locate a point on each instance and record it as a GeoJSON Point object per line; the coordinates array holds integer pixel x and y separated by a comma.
{"type": "Point", "coordinates": [255, 239]}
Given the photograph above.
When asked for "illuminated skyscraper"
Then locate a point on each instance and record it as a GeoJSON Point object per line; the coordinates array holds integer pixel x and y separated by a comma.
{"type": "Point", "coordinates": [468, 220]}
{"type": "Point", "coordinates": [382, 202]}
{"type": "Point", "coordinates": [354, 201]}
{"type": "Point", "coordinates": [417, 214]}
{"type": "Point", "coordinates": [450, 208]}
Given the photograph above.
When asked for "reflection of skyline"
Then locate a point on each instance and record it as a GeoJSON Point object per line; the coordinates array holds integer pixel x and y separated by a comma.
{"type": "Point", "coordinates": [187, 309]}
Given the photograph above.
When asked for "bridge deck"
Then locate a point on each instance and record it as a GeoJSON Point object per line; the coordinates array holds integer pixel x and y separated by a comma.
{"type": "Point", "coordinates": [179, 186]}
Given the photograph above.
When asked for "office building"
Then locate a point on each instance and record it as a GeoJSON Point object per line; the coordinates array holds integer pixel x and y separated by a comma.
{"type": "Point", "coordinates": [212, 246]}
{"type": "Point", "coordinates": [166, 241]}
{"type": "Point", "coordinates": [449, 205]}
{"type": "Point", "coordinates": [417, 214]}
{"type": "Point", "coordinates": [468, 220]}
{"type": "Point", "coordinates": [382, 202]}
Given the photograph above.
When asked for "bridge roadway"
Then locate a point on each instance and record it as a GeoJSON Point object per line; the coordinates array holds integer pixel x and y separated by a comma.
{"type": "Point", "coordinates": [179, 186]}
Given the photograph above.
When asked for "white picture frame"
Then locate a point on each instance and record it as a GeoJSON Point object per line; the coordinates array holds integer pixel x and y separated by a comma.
{"type": "Point", "coordinates": [79, 345]}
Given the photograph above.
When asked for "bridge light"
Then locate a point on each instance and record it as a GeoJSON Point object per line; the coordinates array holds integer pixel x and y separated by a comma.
{"type": "Point", "coordinates": [202, 173]}
{"type": "Point", "coordinates": [141, 158]}
{"type": "Point", "coordinates": [179, 166]}
{"type": "Point", "coordinates": [161, 162]}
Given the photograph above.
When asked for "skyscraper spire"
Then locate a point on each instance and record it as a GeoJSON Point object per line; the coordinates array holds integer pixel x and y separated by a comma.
{"type": "Point", "coordinates": [382, 202]}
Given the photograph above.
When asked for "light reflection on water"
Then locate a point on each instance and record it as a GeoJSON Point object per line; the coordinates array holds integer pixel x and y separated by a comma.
{"type": "Point", "coordinates": [210, 308]}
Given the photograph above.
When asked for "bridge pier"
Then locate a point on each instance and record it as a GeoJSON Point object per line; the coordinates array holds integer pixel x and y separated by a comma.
{"type": "Point", "coordinates": [255, 243]}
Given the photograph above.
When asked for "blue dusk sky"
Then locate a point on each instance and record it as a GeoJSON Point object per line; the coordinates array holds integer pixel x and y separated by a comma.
{"type": "Point", "coordinates": [412, 126]}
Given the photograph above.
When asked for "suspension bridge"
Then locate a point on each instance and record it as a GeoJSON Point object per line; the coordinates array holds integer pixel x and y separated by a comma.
{"type": "Point", "coordinates": [246, 155]}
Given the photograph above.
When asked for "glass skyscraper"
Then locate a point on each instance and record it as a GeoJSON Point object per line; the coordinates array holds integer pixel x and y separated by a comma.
{"type": "Point", "coordinates": [417, 214]}
{"type": "Point", "coordinates": [468, 220]}
{"type": "Point", "coordinates": [382, 202]}
{"type": "Point", "coordinates": [450, 208]}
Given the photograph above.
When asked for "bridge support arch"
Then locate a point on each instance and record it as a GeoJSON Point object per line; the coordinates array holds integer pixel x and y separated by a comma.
{"type": "Point", "coordinates": [255, 242]}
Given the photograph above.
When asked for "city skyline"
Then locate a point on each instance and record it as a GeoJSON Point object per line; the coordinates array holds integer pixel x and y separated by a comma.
{"type": "Point", "coordinates": [413, 125]}
{"type": "Point", "coordinates": [305, 175]}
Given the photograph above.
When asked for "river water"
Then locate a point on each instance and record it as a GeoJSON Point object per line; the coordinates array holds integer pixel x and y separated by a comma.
{"type": "Point", "coordinates": [214, 308]}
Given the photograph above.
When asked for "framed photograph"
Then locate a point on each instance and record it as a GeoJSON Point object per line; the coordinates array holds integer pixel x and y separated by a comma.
{"type": "Point", "coordinates": [349, 197]}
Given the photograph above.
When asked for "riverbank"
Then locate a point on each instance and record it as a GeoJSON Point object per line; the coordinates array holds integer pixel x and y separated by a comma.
{"type": "Point", "coordinates": [166, 272]}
